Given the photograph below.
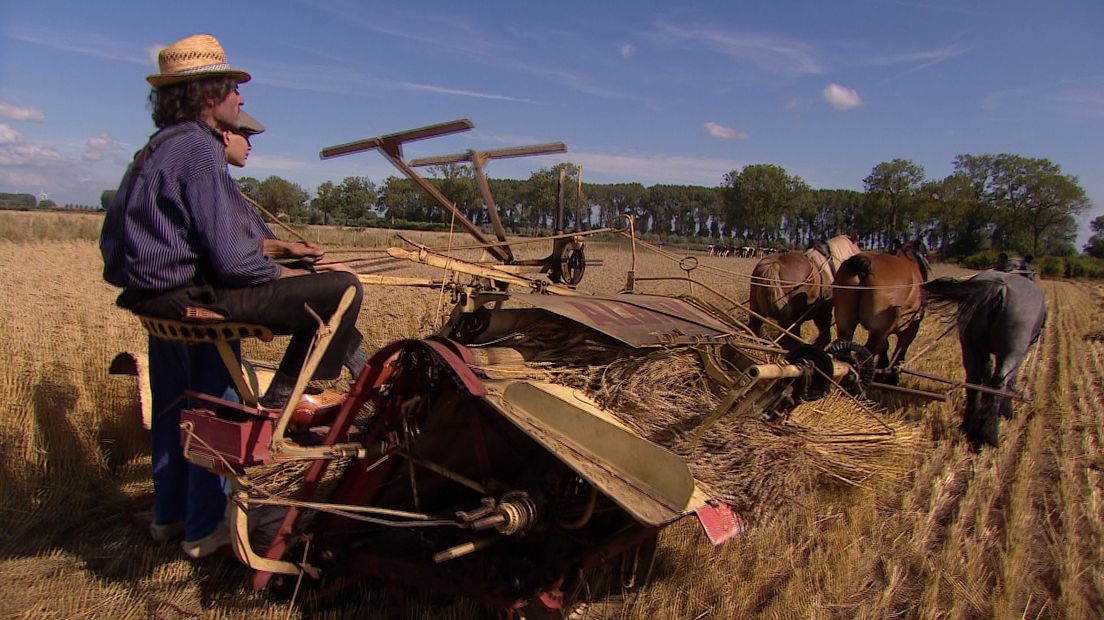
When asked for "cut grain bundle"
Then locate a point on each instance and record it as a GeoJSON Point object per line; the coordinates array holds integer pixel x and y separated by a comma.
{"type": "Point", "coordinates": [755, 464]}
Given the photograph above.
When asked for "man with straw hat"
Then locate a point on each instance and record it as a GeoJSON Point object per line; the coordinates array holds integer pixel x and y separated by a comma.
{"type": "Point", "coordinates": [178, 237]}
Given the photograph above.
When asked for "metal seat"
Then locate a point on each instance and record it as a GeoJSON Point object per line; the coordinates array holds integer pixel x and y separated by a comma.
{"type": "Point", "coordinates": [207, 329]}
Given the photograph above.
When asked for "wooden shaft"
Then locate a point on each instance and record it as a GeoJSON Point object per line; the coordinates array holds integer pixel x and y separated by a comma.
{"type": "Point", "coordinates": [275, 219]}
{"type": "Point", "coordinates": [455, 264]}
{"type": "Point", "coordinates": [489, 201]}
{"type": "Point", "coordinates": [790, 371]}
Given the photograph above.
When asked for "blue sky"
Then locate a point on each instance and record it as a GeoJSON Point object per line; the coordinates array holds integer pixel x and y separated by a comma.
{"type": "Point", "coordinates": [643, 92]}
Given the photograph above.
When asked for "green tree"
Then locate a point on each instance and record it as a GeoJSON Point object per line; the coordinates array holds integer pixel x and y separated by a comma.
{"type": "Point", "coordinates": [401, 200]}
{"type": "Point", "coordinates": [327, 200]}
{"type": "Point", "coordinates": [358, 197]}
{"type": "Point", "coordinates": [891, 188]}
{"type": "Point", "coordinates": [250, 187]}
{"type": "Point", "coordinates": [956, 218]}
{"type": "Point", "coordinates": [1095, 246]}
{"type": "Point", "coordinates": [281, 196]}
{"type": "Point", "coordinates": [18, 201]}
{"type": "Point", "coordinates": [457, 184]}
{"type": "Point", "coordinates": [756, 198]}
{"type": "Point", "coordinates": [1031, 200]}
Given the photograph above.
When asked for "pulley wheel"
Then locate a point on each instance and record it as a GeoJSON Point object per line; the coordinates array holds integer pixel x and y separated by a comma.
{"type": "Point", "coordinates": [570, 268]}
{"type": "Point", "coordinates": [470, 325]}
{"type": "Point", "coordinates": [861, 361]}
{"type": "Point", "coordinates": [816, 382]}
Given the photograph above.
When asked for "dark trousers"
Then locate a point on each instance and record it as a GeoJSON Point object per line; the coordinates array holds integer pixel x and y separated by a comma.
{"type": "Point", "coordinates": [183, 492]}
{"type": "Point", "coordinates": [278, 305]}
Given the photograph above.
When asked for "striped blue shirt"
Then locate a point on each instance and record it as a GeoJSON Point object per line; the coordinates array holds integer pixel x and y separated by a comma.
{"type": "Point", "coordinates": [184, 221]}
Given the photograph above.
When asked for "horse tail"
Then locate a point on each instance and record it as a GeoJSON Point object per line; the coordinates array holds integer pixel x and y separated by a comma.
{"type": "Point", "coordinates": [767, 296]}
{"type": "Point", "coordinates": [970, 296]}
{"type": "Point", "coordinates": [857, 266]}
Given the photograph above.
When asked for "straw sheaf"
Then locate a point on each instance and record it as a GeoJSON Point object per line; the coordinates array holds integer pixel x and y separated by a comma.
{"type": "Point", "coordinates": [757, 467]}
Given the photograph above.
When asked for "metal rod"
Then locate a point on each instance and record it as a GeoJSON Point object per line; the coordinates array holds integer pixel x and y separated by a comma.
{"type": "Point", "coordinates": [904, 390]}
{"type": "Point", "coordinates": [464, 549]}
{"type": "Point", "coordinates": [446, 473]}
{"type": "Point", "coordinates": [970, 386]}
{"type": "Point", "coordinates": [935, 341]}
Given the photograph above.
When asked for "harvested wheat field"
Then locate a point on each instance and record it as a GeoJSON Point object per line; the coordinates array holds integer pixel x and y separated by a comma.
{"type": "Point", "coordinates": [930, 531]}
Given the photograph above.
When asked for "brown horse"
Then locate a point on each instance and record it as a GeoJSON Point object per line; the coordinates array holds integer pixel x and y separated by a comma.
{"type": "Point", "coordinates": [882, 292]}
{"type": "Point", "coordinates": [794, 287]}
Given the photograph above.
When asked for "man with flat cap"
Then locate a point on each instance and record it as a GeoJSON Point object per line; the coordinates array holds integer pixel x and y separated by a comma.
{"type": "Point", "coordinates": [179, 236]}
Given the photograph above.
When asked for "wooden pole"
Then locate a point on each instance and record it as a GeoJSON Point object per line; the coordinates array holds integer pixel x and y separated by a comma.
{"type": "Point", "coordinates": [275, 219]}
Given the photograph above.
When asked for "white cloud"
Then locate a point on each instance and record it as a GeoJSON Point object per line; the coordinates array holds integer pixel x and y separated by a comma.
{"type": "Point", "coordinates": [626, 50]}
{"type": "Point", "coordinates": [768, 53]}
{"type": "Point", "coordinates": [84, 43]}
{"type": "Point", "coordinates": [841, 97]}
{"type": "Point", "coordinates": [98, 146]}
{"type": "Point", "coordinates": [29, 155]}
{"type": "Point", "coordinates": [22, 180]}
{"type": "Point", "coordinates": [430, 88]}
{"type": "Point", "coordinates": [923, 58]}
{"type": "Point", "coordinates": [15, 112]}
{"type": "Point", "coordinates": [9, 135]}
{"type": "Point", "coordinates": [725, 133]}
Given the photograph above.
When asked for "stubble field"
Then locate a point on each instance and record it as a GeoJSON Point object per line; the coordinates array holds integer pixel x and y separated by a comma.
{"type": "Point", "coordinates": [1010, 533]}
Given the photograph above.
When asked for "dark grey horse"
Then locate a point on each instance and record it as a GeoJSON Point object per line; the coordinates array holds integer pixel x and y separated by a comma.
{"type": "Point", "coordinates": [1000, 316]}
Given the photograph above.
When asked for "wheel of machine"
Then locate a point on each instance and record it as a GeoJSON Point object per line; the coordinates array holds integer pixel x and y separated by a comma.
{"type": "Point", "coordinates": [576, 267]}
{"type": "Point", "coordinates": [471, 325]}
{"type": "Point", "coordinates": [570, 268]}
{"type": "Point", "coordinates": [860, 360]}
{"type": "Point", "coordinates": [814, 385]}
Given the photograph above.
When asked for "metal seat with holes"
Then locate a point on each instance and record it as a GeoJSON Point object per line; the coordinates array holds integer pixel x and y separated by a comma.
{"type": "Point", "coordinates": [209, 328]}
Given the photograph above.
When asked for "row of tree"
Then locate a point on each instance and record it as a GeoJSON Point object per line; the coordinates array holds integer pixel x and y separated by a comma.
{"type": "Point", "coordinates": [1004, 201]}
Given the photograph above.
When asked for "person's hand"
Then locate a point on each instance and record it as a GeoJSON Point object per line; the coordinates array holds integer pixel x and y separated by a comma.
{"type": "Point", "coordinates": [304, 251]}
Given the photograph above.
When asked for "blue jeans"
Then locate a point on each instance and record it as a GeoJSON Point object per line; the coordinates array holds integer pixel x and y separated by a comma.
{"type": "Point", "coordinates": [183, 491]}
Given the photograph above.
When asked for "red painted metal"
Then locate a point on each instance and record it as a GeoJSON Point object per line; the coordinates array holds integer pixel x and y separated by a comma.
{"type": "Point", "coordinates": [375, 373]}
{"type": "Point", "coordinates": [230, 432]}
{"type": "Point", "coordinates": [720, 522]}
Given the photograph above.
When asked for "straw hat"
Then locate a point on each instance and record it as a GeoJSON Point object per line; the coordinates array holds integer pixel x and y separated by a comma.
{"type": "Point", "coordinates": [197, 56]}
{"type": "Point", "coordinates": [247, 124]}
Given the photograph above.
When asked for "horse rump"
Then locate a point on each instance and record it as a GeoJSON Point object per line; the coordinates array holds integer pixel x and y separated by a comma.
{"type": "Point", "coordinates": [767, 296]}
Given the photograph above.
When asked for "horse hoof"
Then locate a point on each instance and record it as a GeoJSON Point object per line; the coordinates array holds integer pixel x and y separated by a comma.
{"type": "Point", "coordinates": [887, 377]}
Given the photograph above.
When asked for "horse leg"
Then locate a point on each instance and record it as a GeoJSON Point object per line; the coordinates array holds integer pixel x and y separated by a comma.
{"type": "Point", "coordinates": [1004, 377]}
{"type": "Point", "coordinates": [878, 345]}
{"type": "Point", "coordinates": [822, 318]}
{"type": "Point", "coordinates": [975, 421]}
{"type": "Point", "coordinates": [904, 341]}
{"type": "Point", "coordinates": [756, 325]}
{"type": "Point", "coordinates": [847, 314]}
